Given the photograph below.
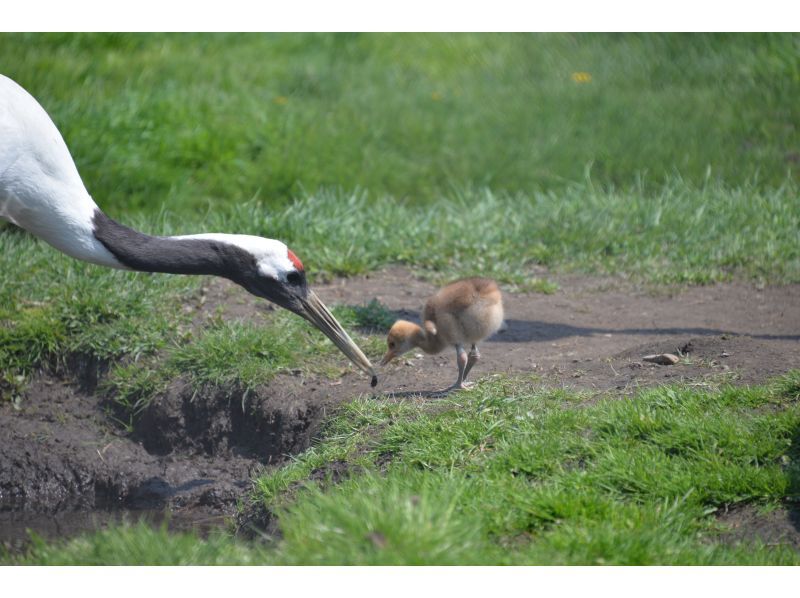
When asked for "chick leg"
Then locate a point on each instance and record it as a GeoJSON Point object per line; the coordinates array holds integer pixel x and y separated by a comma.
{"type": "Point", "coordinates": [472, 359]}
{"type": "Point", "coordinates": [461, 360]}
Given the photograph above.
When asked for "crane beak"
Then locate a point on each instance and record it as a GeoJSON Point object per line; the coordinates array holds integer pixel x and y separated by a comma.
{"type": "Point", "coordinates": [314, 310]}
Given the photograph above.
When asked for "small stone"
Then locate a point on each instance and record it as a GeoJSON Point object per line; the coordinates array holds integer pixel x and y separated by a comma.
{"type": "Point", "coordinates": [725, 354]}
{"type": "Point", "coordinates": [662, 359]}
{"type": "Point", "coordinates": [378, 539]}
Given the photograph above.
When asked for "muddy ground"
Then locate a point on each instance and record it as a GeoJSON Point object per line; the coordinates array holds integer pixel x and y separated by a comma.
{"type": "Point", "coordinates": [67, 465]}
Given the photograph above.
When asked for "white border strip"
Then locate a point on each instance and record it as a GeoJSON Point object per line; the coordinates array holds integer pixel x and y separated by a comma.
{"type": "Point", "coordinates": [399, 15]}
{"type": "Point", "coordinates": [401, 582]}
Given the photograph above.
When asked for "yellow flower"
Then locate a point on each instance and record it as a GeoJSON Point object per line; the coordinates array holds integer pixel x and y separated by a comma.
{"type": "Point", "coordinates": [281, 100]}
{"type": "Point", "coordinates": [436, 96]}
{"type": "Point", "coordinates": [581, 77]}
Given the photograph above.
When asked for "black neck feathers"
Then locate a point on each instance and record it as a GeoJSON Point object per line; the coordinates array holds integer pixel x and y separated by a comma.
{"type": "Point", "coordinates": [147, 253]}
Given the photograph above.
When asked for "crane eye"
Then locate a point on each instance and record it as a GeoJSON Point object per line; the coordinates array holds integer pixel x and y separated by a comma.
{"type": "Point", "coordinates": [294, 278]}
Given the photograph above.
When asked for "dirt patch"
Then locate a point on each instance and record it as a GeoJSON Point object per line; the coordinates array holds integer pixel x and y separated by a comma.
{"type": "Point", "coordinates": [195, 451]}
{"type": "Point", "coordinates": [745, 523]}
{"type": "Point", "coordinates": [62, 451]}
{"type": "Point", "coordinates": [264, 425]}
{"type": "Point", "coordinates": [592, 333]}
{"type": "Point", "coordinates": [192, 454]}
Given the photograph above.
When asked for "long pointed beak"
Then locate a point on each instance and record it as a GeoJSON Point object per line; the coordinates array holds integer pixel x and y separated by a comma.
{"type": "Point", "coordinates": [315, 312]}
{"type": "Point", "coordinates": [388, 357]}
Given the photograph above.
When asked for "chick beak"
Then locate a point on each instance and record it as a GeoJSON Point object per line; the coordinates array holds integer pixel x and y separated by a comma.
{"type": "Point", "coordinates": [314, 310]}
{"type": "Point", "coordinates": [388, 357]}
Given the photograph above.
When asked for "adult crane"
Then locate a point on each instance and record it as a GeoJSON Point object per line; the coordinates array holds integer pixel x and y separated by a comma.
{"type": "Point", "coordinates": [42, 192]}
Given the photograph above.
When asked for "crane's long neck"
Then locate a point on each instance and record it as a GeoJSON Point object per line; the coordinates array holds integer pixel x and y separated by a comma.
{"type": "Point", "coordinates": [191, 254]}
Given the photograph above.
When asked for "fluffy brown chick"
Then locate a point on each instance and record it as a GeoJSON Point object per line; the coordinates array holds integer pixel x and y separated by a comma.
{"type": "Point", "coordinates": [463, 313]}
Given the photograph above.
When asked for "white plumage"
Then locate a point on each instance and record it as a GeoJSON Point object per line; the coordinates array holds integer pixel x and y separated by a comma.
{"type": "Point", "coordinates": [40, 188]}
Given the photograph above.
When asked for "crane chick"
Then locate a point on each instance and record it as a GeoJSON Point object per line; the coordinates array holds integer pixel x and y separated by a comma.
{"type": "Point", "coordinates": [463, 313]}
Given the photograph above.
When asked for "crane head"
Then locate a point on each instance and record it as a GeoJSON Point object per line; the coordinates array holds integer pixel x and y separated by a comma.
{"type": "Point", "coordinates": [278, 275]}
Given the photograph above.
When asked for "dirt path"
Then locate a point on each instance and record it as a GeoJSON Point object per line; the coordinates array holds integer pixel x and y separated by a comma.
{"type": "Point", "coordinates": [592, 333]}
{"type": "Point", "coordinates": [62, 456]}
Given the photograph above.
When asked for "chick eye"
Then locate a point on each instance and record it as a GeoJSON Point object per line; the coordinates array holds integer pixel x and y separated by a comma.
{"type": "Point", "coordinates": [391, 345]}
{"type": "Point", "coordinates": [294, 278]}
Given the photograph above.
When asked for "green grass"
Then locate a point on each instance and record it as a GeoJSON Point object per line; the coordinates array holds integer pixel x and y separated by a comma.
{"type": "Point", "coordinates": [682, 234]}
{"type": "Point", "coordinates": [141, 544]}
{"type": "Point", "coordinates": [195, 120]}
{"type": "Point", "coordinates": [53, 307]}
{"type": "Point", "coordinates": [512, 473]}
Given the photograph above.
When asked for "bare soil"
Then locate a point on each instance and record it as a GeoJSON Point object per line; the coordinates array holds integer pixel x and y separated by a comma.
{"type": "Point", "coordinates": [744, 523]}
{"type": "Point", "coordinates": [66, 464]}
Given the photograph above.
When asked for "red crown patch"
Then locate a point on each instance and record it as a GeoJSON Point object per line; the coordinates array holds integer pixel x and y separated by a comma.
{"type": "Point", "coordinates": [295, 260]}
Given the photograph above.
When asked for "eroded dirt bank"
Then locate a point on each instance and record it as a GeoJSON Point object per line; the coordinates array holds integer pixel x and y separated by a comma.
{"type": "Point", "coordinates": [194, 453]}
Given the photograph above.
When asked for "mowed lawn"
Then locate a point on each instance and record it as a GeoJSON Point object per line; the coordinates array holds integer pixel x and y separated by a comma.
{"type": "Point", "coordinates": [663, 158]}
